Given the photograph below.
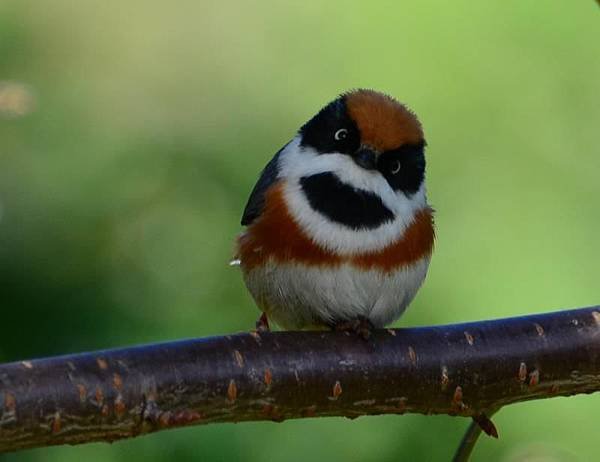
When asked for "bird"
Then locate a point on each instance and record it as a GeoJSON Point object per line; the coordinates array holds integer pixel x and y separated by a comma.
{"type": "Point", "coordinates": [338, 233]}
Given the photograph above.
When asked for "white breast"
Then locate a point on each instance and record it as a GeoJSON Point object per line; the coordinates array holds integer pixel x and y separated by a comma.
{"type": "Point", "coordinates": [296, 296]}
{"type": "Point", "coordinates": [297, 162]}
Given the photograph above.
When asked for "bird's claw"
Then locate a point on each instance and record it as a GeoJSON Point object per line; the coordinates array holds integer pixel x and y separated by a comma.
{"type": "Point", "coordinates": [360, 326]}
{"type": "Point", "coordinates": [262, 324]}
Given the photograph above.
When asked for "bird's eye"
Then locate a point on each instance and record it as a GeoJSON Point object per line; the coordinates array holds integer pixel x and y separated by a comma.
{"type": "Point", "coordinates": [341, 134]}
{"type": "Point", "coordinates": [395, 167]}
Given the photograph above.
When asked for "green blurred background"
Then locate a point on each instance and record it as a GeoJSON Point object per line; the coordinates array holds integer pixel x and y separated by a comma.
{"type": "Point", "coordinates": [132, 132]}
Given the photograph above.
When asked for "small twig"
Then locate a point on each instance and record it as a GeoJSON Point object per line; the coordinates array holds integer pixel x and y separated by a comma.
{"type": "Point", "coordinates": [477, 424]}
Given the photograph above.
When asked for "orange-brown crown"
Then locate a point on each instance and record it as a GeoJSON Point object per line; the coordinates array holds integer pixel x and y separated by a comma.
{"type": "Point", "coordinates": [384, 123]}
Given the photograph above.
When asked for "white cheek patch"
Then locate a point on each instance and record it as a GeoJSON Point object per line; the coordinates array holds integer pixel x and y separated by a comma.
{"type": "Point", "coordinates": [297, 162]}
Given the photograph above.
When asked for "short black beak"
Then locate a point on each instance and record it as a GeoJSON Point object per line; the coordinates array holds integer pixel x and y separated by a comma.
{"type": "Point", "coordinates": [366, 158]}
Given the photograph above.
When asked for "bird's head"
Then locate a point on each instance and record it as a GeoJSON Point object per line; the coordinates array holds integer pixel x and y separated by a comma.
{"type": "Point", "coordinates": [367, 139]}
{"type": "Point", "coordinates": [370, 135]}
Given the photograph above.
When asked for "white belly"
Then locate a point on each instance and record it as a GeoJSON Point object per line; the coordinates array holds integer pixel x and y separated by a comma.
{"type": "Point", "coordinates": [296, 296]}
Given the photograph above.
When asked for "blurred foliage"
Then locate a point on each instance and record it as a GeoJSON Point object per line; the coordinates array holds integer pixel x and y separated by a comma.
{"type": "Point", "coordinates": [132, 132]}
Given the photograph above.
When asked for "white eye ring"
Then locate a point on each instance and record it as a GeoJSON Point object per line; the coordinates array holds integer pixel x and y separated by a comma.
{"type": "Point", "coordinates": [395, 167]}
{"type": "Point", "coordinates": [341, 134]}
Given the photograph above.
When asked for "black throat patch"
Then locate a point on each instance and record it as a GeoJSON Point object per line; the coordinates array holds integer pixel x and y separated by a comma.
{"type": "Point", "coordinates": [344, 204]}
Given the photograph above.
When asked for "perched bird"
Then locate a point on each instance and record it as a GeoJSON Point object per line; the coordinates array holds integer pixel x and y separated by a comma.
{"type": "Point", "coordinates": [338, 230]}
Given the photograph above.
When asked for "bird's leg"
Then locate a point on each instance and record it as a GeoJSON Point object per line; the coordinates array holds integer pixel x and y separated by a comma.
{"type": "Point", "coordinates": [262, 325]}
{"type": "Point", "coordinates": [360, 326]}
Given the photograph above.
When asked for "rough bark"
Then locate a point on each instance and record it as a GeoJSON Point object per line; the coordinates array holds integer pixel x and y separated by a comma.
{"type": "Point", "coordinates": [463, 369]}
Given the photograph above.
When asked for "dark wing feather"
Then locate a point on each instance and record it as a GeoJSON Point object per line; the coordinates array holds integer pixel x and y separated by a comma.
{"type": "Point", "coordinates": [256, 201]}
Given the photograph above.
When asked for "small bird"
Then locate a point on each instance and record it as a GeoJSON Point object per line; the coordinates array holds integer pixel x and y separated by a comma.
{"type": "Point", "coordinates": [338, 230]}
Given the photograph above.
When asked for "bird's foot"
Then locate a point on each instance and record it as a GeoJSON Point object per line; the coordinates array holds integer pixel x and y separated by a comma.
{"type": "Point", "coordinates": [262, 325]}
{"type": "Point", "coordinates": [360, 326]}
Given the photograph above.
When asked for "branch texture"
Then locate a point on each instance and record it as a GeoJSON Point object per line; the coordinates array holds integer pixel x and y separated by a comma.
{"type": "Point", "coordinates": [462, 369]}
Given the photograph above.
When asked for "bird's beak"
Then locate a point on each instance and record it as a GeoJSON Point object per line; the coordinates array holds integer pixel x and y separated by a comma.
{"type": "Point", "coordinates": [366, 158]}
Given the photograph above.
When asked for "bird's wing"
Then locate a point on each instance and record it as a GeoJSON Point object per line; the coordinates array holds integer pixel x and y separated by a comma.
{"type": "Point", "coordinates": [256, 201]}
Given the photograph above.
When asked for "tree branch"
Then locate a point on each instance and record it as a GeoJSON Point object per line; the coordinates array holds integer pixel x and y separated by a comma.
{"type": "Point", "coordinates": [463, 369]}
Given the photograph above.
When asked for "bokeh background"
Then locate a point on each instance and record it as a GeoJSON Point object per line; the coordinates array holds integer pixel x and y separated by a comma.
{"type": "Point", "coordinates": [132, 132]}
